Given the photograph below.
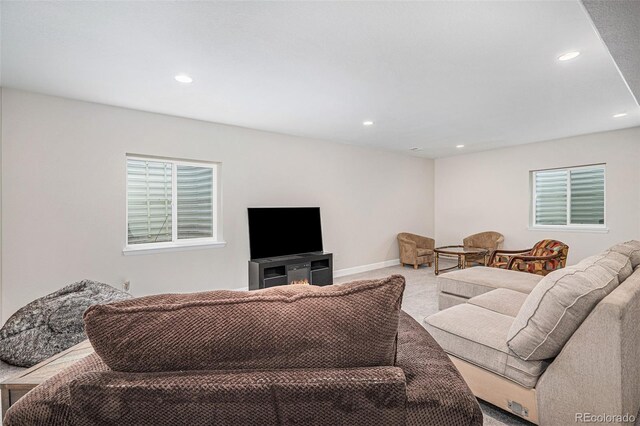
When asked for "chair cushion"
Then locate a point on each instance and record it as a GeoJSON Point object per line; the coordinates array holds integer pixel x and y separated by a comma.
{"type": "Point", "coordinates": [547, 248]}
{"type": "Point", "coordinates": [500, 300]}
{"type": "Point", "coordinates": [472, 282]}
{"type": "Point", "coordinates": [424, 252]}
{"type": "Point", "coordinates": [280, 327]}
{"type": "Point", "coordinates": [557, 306]}
{"type": "Point", "coordinates": [631, 249]}
{"type": "Point", "coordinates": [479, 336]}
{"type": "Point", "coordinates": [490, 240]}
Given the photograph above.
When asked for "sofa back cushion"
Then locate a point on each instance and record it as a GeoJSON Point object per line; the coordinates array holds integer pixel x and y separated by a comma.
{"type": "Point", "coordinates": [630, 249]}
{"type": "Point", "coordinates": [615, 261]}
{"type": "Point", "coordinates": [297, 326]}
{"type": "Point", "coordinates": [356, 396]}
{"type": "Point", "coordinates": [557, 306]}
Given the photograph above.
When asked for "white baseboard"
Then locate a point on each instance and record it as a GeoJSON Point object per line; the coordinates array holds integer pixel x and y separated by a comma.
{"type": "Point", "coordinates": [364, 268]}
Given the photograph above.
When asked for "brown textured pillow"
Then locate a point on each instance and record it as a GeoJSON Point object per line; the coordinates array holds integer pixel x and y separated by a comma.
{"type": "Point", "coordinates": [348, 325]}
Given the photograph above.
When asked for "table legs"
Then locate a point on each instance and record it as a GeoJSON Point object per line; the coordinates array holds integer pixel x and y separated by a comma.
{"type": "Point", "coordinates": [459, 265]}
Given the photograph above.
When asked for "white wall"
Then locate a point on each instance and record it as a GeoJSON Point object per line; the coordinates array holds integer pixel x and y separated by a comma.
{"type": "Point", "coordinates": [63, 196]}
{"type": "Point", "coordinates": [490, 191]}
{"type": "Point", "coordinates": [1, 203]}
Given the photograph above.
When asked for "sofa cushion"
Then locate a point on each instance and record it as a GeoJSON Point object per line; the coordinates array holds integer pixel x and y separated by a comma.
{"type": "Point", "coordinates": [308, 396]}
{"type": "Point", "coordinates": [348, 325]}
{"type": "Point", "coordinates": [424, 252]}
{"type": "Point", "coordinates": [472, 282]}
{"type": "Point", "coordinates": [436, 392]}
{"type": "Point", "coordinates": [501, 300]}
{"type": "Point", "coordinates": [479, 336]}
{"type": "Point", "coordinates": [557, 306]}
{"type": "Point", "coordinates": [630, 249]}
{"type": "Point", "coordinates": [446, 300]}
{"type": "Point", "coordinates": [615, 261]}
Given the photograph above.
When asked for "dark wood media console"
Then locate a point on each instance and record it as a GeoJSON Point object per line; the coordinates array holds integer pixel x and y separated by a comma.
{"type": "Point", "coordinates": [316, 268]}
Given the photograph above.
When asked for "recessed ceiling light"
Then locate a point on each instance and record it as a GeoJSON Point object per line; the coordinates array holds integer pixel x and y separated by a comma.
{"type": "Point", "coordinates": [459, 146]}
{"type": "Point", "coordinates": [415, 148]}
{"type": "Point", "coordinates": [367, 123]}
{"type": "Point", "coordinates": [183, 78]}
{"type": "Point", "coordinates": [622, 114]}
{"type": "Point", "coordinates": [568, 56]}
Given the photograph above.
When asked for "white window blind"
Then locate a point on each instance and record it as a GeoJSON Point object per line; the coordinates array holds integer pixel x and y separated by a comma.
{"type": "Point", "coordinates": [551, 197]}
{"type": "Point", "coordinates": [587, 196]}
{"type": "Point", "coordinates": [149, 201]}
{"type": "Point", "coordinates": [569, 197]}
{"type": "Point", "coordinates": [195, 202]}
{"type": "Point", "coordinates": [171, 201]}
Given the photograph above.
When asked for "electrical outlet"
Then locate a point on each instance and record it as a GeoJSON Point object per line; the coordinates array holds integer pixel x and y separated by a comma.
{"type": "Point", "coordinates": [126, 285]}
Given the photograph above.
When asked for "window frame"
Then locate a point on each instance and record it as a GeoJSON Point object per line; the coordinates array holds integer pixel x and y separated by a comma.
{"type": "Point", "coordinates": [571, 227]}
{"type": "Point", "coordinates": [176, 244]}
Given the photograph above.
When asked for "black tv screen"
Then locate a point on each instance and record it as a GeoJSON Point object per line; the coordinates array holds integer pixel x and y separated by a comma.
{"type": "Point", "coordinates": [281, 231]}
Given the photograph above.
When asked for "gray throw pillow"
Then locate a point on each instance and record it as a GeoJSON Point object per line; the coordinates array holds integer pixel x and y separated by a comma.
{"type": "Point", "coordinates": [630, 249]}
{"type": "Point", "coordinates": [557, 306]}
{"type": "Point", "coordinates": [615, 261]}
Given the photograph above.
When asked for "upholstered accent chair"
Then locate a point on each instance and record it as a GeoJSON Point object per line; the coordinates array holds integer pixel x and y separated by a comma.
{"type": "Point", "coordinates": [415, 249]}
{"type": "Point", "coordinates": [490, 240]}
{"type": "Point", "coordinates": [546, 256]}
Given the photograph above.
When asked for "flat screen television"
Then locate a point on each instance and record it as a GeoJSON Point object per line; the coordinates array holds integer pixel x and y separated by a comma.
{"type": "Point", "coordinates": [282, 231]}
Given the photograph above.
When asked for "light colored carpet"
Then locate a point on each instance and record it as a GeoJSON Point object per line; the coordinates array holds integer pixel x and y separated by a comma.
{"type": "Point", "coordinates": [420, 300]}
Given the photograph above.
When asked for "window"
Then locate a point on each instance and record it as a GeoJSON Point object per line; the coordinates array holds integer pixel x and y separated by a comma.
{"type": "Point", "coordinates": [171, 204]}
{"type": "Point", "coordinates": [570, 198]}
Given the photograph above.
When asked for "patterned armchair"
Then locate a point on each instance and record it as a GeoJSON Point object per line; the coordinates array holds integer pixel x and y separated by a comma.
{"type": "Point", "coordinates": [415, 249]}
{"type": "Point", "coordinates": [545, 257]}
{"type": "Point", "coordinates": [489, 240]}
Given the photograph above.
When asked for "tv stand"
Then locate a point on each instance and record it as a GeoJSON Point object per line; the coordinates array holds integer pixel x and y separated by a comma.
{"type": "Point", "coordinates": [315, 268]}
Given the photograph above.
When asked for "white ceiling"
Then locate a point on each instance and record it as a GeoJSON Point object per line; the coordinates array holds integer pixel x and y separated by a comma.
{"type": "Point", "coordinates": [430, 74]}
{"type": "Point", "coordinates": [618, 22]}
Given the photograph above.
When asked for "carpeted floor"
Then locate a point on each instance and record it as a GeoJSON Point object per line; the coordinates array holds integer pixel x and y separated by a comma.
{"type": "Point", "coordinates": [421, 300]}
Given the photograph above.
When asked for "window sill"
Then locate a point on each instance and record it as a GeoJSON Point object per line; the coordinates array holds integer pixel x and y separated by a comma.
{"type": "Point", "coordinates": [560, 228]}
{"type": "Point", "coordinates": [168, 247]}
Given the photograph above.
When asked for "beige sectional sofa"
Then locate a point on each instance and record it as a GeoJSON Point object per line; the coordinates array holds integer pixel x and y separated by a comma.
{"type": "Point", "coordinates": [549, 349]}
{"type": "Point", "coordinates": [459, 286]}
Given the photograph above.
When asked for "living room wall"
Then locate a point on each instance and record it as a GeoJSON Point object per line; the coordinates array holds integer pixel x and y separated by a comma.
{"type": "Point", "coordinates": [490, 191]}
{"type": "Point", "coordinates": [63, 196]}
